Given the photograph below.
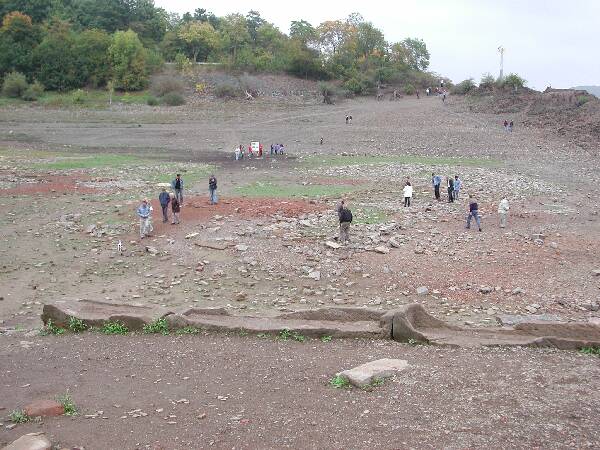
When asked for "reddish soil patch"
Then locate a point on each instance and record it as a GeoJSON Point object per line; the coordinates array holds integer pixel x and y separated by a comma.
{"type": "Point", "coordinates": [198, 209]}
{"type": "Point", "coordinates": [51, 184]}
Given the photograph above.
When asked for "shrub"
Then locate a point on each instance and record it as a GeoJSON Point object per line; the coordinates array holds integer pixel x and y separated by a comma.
{"type": "Point", "coordinates": [226, 91]}
{"type": "Point", "coordinates": [19, 416]}
{"type": "Point", "coordinates": [51, 328]}
{"type": "Point", "coordinates": [29, 95]}
{"type": "Point", "coordinates": [514, 81]}
{"type": "Point", "coordinates": [582, 100]}
{"type": "Point", "coordinates": [353, 85]}
{"type": "Point", "coordinates": [182, 62]}
{"type": "Point", "coordinates": [152, 101]}
{"type": "Point", "coordinates": [409, 89]}
{"type": "Point", "coordinates": [173, 99]}
{"type": "Point", "coordinates": [15, 85]}
{"type": "Point", "coordinates": [128, 57]}
{"type": "Point", "coordinates": [487, 81]}
{"type": "Point", "coordinates": [78, 96]}
{"type": "Point", "coordinates": [37, 88]}
{"type": "Point", "coordinates": [163, 84]}
{"type": "Point", "coordinates": [464, 87]}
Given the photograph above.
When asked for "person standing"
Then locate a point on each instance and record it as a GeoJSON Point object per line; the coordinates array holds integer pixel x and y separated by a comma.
{"type": "Point", "coordinates": [176, 210]}
{"type": "Point", "coordinates": [237, 153]}
{"type": "Point", "coordinates": [436, 180]}
{"type": "Point", "coordinates": [408, 191]}
{"type": "Point", "coordinates": [164, 198]}
{"type": "Point", "coordinates": [510, 126]}
{"type": "Point", "coordinates": [457, 186]}
{"type": "Point", "coordinates": [503, 208]}
{"type": "Point", "coordinates": [473, 213]}
{"type": "Point", "coordinates": [272, 149]}
{"type": "Point", "coordinates": [345, 218]}
{"type": "Point", "coordinates": [177, 185]}
{"type": "Point", "coordinates": [144, 212]}
{"type": "Point", "coordinates": [506, 125]}
{"type": "Point", "coordinates": [450, 186]}
{"type": "Point", "coordinates": [212, 189]}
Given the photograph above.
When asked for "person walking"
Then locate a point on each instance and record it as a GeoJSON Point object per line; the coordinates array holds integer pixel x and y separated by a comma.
{"type": "Point", "coordinates": [144, 212]}
{"type": "Point", "coordinates": [457, 186]}
{"type": "Point", "coordinates": [345, 218]}
{"type": "Point", "coordinates": [176, 210]}
{"type": "Point", "coordinates": [212, 189]}
{"type": "Point", "coordinates": [450, 186]}
{"type": "Point", "coordinates": [408, 191]}
{"type": "Point", "coordinates": [164, 198]}
{"type": "Point", "coordinates": [473, 213]}
{"type": "Point", "coordinates": [503, 208]}
{"type": "Point", "coordinates": [436, 180]}
{"type": "Point", "coordinates": [177, 185]}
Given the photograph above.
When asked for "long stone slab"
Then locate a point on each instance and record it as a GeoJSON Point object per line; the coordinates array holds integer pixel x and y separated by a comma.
{"type": "Point", "coordinates": [409, 323]}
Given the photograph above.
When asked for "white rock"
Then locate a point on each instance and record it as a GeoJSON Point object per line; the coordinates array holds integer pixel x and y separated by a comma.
{"type": "Point", "coordinates": [422, 290]}
{"type": "Point", "coordinates": [365, 374]}
{"type": "Point", "coordinates": [191, 235]}
{"type": "Point", "coordinates": [382, 249]}
{"type": "Point", "coordinates": [315, 275]}
{"type": "Point", "coordinates": [333, 245]}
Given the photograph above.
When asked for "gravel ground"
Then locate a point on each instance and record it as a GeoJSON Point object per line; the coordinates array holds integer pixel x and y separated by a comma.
{"type": "Point", "coordinates": [246, 392]}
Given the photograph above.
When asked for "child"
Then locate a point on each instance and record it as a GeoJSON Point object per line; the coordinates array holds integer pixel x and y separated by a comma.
{"type": "Point", "coordinates": [176, 209]}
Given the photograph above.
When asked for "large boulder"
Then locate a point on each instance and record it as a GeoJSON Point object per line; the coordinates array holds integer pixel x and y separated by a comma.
{"type": "Point", "coordinates": [31, 441]}
{"type": "Point", "coordinates": [365, 374]}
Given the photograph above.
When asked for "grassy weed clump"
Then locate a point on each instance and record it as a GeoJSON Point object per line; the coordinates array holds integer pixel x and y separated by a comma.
{"type": "Point", "coordinates": [114, 328]}
{"type": "Point", "coordinates": [68, 405]}
{"type": "Point", "coordinates": [158, 326]}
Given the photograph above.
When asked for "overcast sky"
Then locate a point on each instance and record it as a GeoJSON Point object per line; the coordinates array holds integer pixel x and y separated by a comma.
{"type": "Point", "coordinates": [548, 42]}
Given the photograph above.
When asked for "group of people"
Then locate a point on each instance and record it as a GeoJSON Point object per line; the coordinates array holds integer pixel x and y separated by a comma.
{"type": "Point", "coordinates": [238, 152]}
{"type": "Point", "coordinates": [508, 126]}
{"type": "Point", "coordinates": [172, 201]}
{"type": "Point", "coordinates": [453, 186]}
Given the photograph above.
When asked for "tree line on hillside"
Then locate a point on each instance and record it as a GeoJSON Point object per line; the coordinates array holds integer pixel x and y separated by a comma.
{"type": "Point", "coordinates": [67, 44]}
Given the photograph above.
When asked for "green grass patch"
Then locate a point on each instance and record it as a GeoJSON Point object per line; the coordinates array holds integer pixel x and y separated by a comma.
{"type": "Point", "coordinates": [52, 328]}
{"type": "Point", "coordinates": [326, 338]}
{"type": "Point", "coordinates": [158, 326]}
{"type": "Point", "coordinates": [268, 189]}
{"type": "Point", "coordinates": [339, 382]}
{"type": "Point", "coordinates": [370, 216]}
{"type": "Point", "coordinates": [594, 351]}
{"type": "Point", "coordinates": [286, 335]}
{"type": "Point", "coordinates": [19, 416]}
{"type": "Point", "coordinates": [114, 328]}
{"type": "Point", "coordinates": [88, 162]}
{"type": "Point", "coordinates": [188, 330]}
{"type": "Point", "coordinates": [68, 405]}
{"type": "Point", "coordinates": [96, 98]}
{"type": "Point", "coordinates": [76, 325]}
{"type": "Point", "coordinates": [338, 161]}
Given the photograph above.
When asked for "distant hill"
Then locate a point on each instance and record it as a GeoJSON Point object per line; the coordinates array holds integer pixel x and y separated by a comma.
{"type": "Point", "coordinates": [594, 90]}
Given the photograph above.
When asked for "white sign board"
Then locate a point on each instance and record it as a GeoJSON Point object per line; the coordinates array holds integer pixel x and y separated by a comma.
{"type": "Point", "coordinates": [255, 147]}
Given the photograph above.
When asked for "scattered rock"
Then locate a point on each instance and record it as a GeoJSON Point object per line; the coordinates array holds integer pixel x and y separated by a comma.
{"type": "Point", "coordinates": [241, 297]}
{"type": "Point", "coordinates": [333, 245]}
{"type": "Point", "coordinates": [517, 291]}
{"type": "Point", "coordinates": [315, 275]}
{"type": "Point", "coordinates": [486, 289]}
{"type": "Point", "coordinates": [422, 290]}
{"type": "Point", "coordinates": [241, 247]}
{"type": "Point", "coordinates": [90, 229]}
{"type": "Point", "coordinates": [31, 441]}
{"type": "Point", "coordinates": [596, 273]}
{"type": "Point", "coordinates": [365, 374]}
{"type": "Point", "coordinates": [382, 249]}
{"type": "Point", "coordinates": [191, 235]}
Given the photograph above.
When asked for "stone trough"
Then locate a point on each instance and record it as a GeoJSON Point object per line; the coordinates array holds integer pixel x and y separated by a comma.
{"type": "Point", "coordinates": [410, 323]}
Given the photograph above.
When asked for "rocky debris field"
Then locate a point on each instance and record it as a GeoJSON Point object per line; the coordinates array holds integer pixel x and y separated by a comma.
{"type": "Point", "coordinates": [71, 180]}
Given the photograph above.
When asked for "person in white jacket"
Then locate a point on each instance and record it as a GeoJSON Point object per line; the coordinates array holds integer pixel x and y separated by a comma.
{"type": "Point", "coordinates": [503, 208]}
{"type": "Point", "coordinates": [408, 191]}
